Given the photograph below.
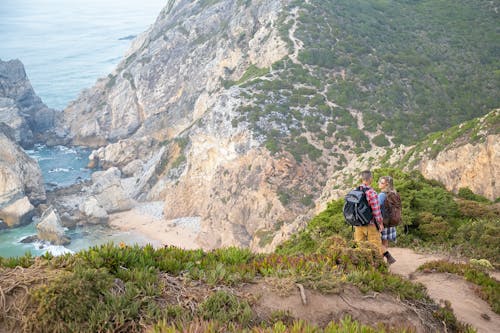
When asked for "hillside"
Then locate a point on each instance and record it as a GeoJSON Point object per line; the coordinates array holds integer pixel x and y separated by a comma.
{"type": "Point", "coordinates": [244, 113]}
{"type": "Point", "coordinates": [465, 156]}
{"type": "Point", "coordinates": [319, 280]}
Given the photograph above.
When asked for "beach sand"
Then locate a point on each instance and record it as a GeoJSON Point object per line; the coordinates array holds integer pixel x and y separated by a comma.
{"type": "Point", "coordinates": [147, 220]}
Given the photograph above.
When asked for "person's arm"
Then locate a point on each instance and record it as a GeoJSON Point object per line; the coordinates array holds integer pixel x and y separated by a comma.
{"type": "Point", "coordinates": [381, 198]}
{"type": "Point", "coordinates": [372, 198]}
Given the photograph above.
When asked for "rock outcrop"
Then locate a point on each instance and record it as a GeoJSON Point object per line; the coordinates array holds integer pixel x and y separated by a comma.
{"type": "Point", "coordinates": [20, 107]}
{"type": "Point", "coordinates": [50, 228]}
{"type": "Point", "coordinates": [474, 166]}
{"type": "Point", "coordinates": [173, 72]}
{"type": "Point", "coordinates": [464, 156]}
{"type": "Point", "coordinates": [163, 118]}
{"type": "Point", "coordinates": [21, 183]}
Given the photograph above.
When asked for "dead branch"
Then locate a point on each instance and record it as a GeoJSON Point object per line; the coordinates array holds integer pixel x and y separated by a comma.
{"type": "Point", "coordinates": [302, 293]}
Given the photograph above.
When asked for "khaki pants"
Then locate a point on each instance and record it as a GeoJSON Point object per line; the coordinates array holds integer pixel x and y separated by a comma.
{"type": "Point", "coordinates": [369, 233]}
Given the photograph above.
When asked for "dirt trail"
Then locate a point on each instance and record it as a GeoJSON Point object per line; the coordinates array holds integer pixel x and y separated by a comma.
{"type": "Point", "coordinates": [468, 307]}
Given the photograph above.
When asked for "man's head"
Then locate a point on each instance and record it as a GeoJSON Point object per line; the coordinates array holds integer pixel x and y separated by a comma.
{"type": "Point", "coordinates": [366, 177]}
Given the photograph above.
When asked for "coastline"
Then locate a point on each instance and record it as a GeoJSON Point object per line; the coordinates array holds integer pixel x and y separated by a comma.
{"type": "Point", "coordinates": [147, 220]}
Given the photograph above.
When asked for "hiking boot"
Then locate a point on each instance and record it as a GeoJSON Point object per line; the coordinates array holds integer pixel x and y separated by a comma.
{"type": "Point", "coordinates": [390, 258]}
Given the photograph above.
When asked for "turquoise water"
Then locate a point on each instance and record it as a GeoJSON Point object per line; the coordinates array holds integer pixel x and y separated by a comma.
{"type": "Point", "coordinates": [81, 238]}
{"type": "Point", "coordinates": [61, 166]}
{"type": "Point", "coordinates": [65, 47]}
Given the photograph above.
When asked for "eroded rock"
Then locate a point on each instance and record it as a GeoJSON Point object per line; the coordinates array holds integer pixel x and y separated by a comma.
{"type": "Point", "coordinates": [50, 228]}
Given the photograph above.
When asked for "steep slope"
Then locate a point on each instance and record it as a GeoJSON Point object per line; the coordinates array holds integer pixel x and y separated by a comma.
{"type": "Point", "coordinates": [20, 107]}
{"type": "Point", "coordinates": [464, 156]}
{"type": "Point", "coordinates": [21, 182]}
{"type": "Point", "coordinates": [249, 108]}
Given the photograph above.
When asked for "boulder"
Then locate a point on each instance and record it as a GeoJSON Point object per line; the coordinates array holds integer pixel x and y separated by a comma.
{"type": "Point", "coordinates": [109, 192]}
{"type": "Point", "coordinates": [94, 213]}
{"type": "Point", "coordinates": [20, 175]}
{"type": "Point", "coordinates": [17, 213]}
{"type": "Point", "coordinates": [50, 228]}
{"type": "Point", "coordinates": [29, 239]}
{"type": "Point", "coordinates": [134, 168]}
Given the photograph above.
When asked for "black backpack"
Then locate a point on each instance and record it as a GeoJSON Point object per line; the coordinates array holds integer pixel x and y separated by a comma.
{"type": "Point", "coordinates": [357, 211]}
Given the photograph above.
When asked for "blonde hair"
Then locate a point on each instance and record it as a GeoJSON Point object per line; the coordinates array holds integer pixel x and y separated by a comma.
{"type": "Point", "coordinates": [390, 183]}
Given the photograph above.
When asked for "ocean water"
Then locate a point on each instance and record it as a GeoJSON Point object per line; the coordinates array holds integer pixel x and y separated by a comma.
{"type": "Point", "coordinates": [65, 47]}
{"type": "Point", "coordinates": [61, 166]}
{"type": "Point", "coordinates": [81, 238]}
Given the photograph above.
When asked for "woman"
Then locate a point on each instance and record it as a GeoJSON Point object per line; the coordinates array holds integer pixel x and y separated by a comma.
{"type": "Point", "coordinates": [386, 185]}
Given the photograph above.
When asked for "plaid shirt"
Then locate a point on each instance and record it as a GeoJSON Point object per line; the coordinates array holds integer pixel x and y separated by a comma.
{"type": "Point", "coordinates": [372, 198]}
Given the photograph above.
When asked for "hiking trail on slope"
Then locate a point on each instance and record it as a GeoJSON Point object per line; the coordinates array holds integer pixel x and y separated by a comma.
{"type": "Point", "coordinates": [466, 304]}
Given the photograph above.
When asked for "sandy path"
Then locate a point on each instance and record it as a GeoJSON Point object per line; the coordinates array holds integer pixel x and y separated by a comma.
{"type": "Point", "coordinates": [149, 221]}
{"type": "Point", "coordinates": [468, 307]}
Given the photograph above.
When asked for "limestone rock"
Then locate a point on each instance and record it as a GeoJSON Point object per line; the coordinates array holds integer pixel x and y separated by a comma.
{"type": "Point", "coordinates": [21, 183]}
{"type": "Point", "coordinates": [50, 228]}
{"type": "Point", "coordinates": [94, 213]}
{"type": "Point", "coordinates": [475, 166]}
{"type": "Point", "coordinates": [20, 107]}
{"type": "Point", "coordinates": [133, 168]}
{"type": "Point", "coordinates": [25, 174]}
{"type": "Point", "coordinates": [109, 192]}
{"type": "Point", "coordinates": [123, 152]}
{"type": "Point", "coordinates": [17, 213]}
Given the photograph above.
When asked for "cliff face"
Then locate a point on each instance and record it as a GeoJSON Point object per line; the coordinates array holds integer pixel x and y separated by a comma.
{"type": "Point", "coordinates": [467, 155]}
{"type": "Point", "coordinates": [169, 93]}
{"type": "Point", "coordinates": [475, 166]}
{"type": "Point", "coordinates": [21, 183]}
{"type": "Point", "coordinates": [173, 73]}
{"type": "Point", "coordinates": [20, 107]}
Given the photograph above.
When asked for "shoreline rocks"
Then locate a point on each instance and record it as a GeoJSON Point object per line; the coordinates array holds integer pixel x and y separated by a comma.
{"type": "Point", "coordinates": [21, 183]}
{"type": "Point", "coordinates": [20, 107]}
{"type": "Point", "coordinates": [50, 228]}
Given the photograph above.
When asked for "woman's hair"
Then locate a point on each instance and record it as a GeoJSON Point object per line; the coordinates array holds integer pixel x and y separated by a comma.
{"type": "Point", "coordinates": [390, 183]}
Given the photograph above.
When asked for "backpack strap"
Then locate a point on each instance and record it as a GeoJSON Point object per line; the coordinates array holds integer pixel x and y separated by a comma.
{"type": "Point", "coordinates": [362, 188]}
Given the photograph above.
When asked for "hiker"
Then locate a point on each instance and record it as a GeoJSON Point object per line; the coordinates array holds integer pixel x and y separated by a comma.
{"type": "Point", "coordinates": [371, 231]}
{"type": "Point", "coordinates": [386, 185]}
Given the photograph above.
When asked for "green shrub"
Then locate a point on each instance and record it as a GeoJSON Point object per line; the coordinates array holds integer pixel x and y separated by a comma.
{"type": "Point", "coordinates": [225, 307]}
{"type": "Point", "coordinates": [474, 239]}
{"type": "Point", "coordinates": [381, 141]}
{"type": "Point", "coordinates": [466, 193]}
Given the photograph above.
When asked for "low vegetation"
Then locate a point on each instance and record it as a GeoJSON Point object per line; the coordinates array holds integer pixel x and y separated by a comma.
{"type": "Point", "coordinates": [135, 289]}
{"type": "Point", "coordinates": [410, 67]}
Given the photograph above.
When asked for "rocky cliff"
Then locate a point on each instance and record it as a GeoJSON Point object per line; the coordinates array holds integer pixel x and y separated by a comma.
{"type": "Point", "coordinates": [249, 113]}
{"type": "Point", "coordinates": [21, 183]}
{"type": "Point", "coordinates": [465, 156]}
{"type": "Point", "coordinates": [168, 94]}
{"type": "Point", "coordinates": [172, 75]}
{"type": "Point", "coordinates": [20, 107]}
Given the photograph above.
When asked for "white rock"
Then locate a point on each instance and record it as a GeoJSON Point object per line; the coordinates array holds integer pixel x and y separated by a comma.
{"type": "Point", "coordinates": [50, 228]}
{"type": "Point", "coordinates": [17, 213]}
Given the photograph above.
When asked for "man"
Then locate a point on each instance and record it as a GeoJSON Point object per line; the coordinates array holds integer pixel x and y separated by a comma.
{"type": "Point", "coordinates": [370, 232]}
